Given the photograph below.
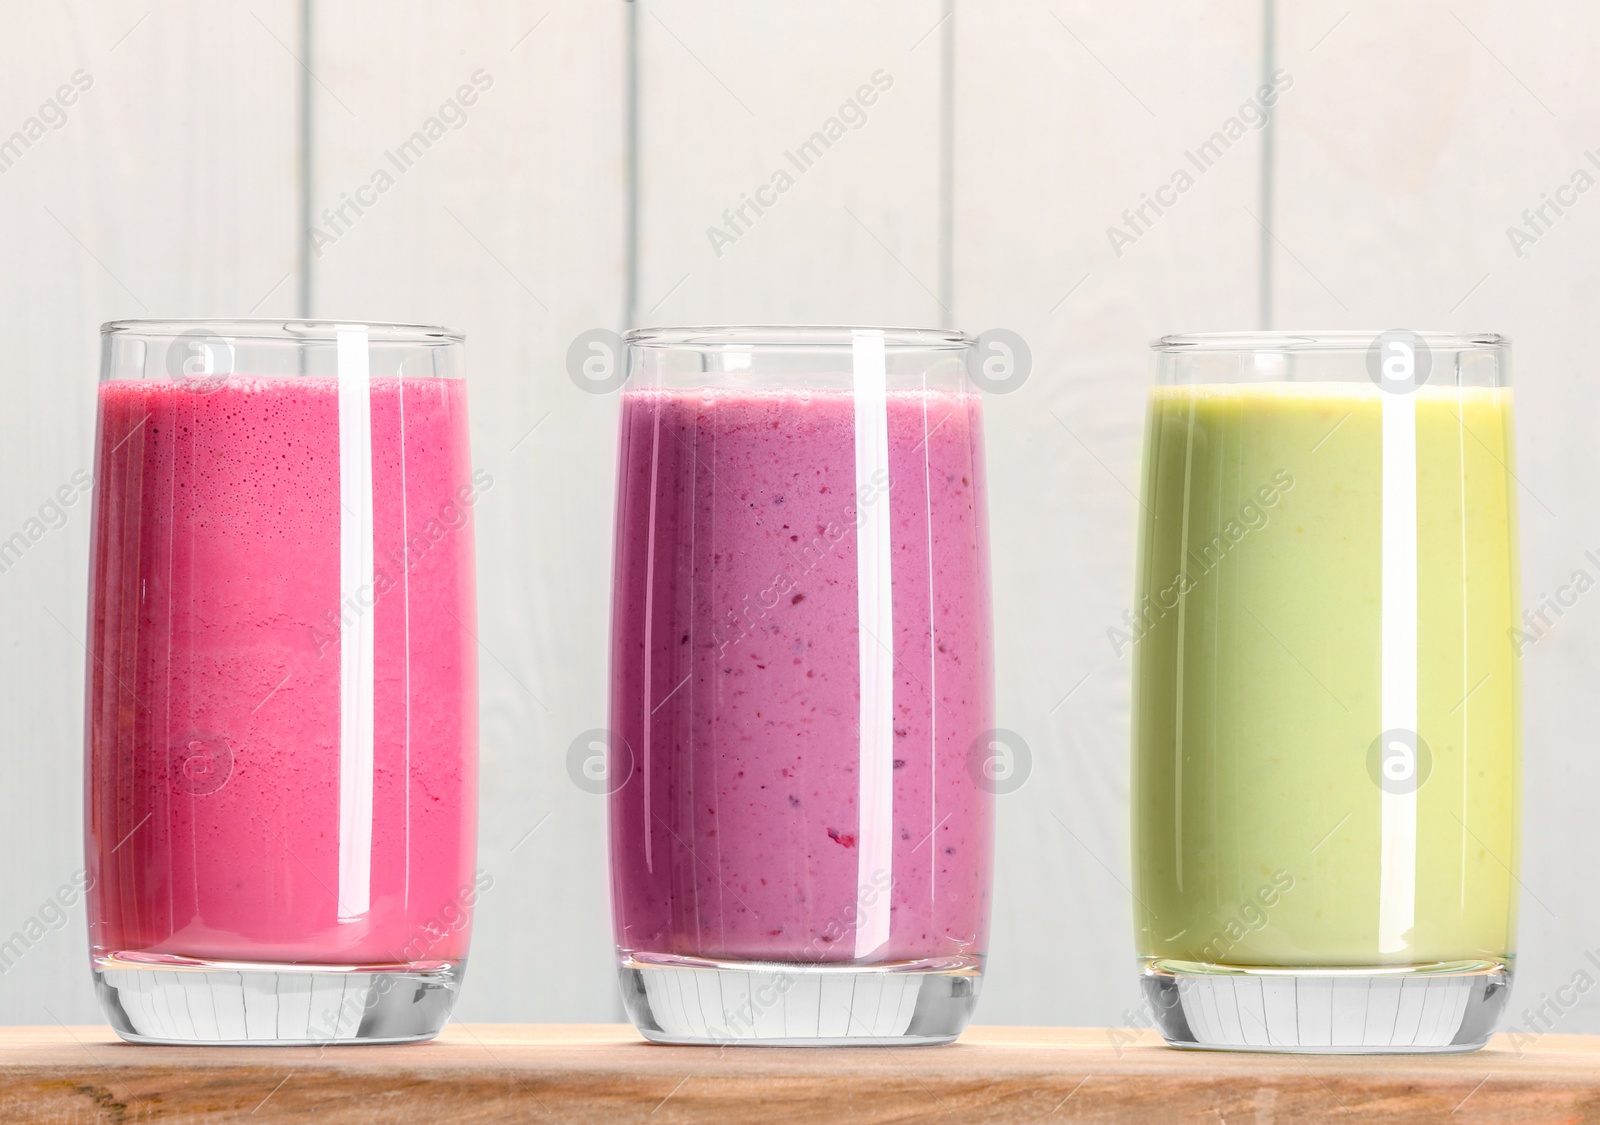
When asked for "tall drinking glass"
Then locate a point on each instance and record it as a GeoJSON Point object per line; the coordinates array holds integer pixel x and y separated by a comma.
{"type": "Point", "coordinates": [1326, 727]}
{"type": "Point", "coordinates": [801, 671]}
{"type": "Point", "coordinates": [282, 682]}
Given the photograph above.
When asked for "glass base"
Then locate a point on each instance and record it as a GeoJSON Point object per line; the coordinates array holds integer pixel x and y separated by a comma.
{"type": "Point", "coordinates": [1394, 1010]}
{"type": "Point", "coordinates": [227, 1003]}
{"type": "Point", "coordinates": [778, 1004]}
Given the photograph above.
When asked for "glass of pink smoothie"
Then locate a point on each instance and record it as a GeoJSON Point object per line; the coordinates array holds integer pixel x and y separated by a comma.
{"type": "Point", "coordinates": [801, 668]}
{"type": "Point", "coordinates": [282, 682]}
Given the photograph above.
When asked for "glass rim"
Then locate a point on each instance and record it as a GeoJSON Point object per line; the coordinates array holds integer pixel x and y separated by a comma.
{"type": "Point", "coordinates": [1332, 341]}
{"type": "Point", "coordinates": [292, 330]}
{"type": "Point", "coordinates": [795, 336]}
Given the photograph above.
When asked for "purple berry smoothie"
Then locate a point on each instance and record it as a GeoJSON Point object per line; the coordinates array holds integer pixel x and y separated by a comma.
{"type": "Point", "coordinates": [736, 681]}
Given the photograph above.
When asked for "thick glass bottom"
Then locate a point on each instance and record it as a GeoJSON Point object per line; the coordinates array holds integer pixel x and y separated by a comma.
{"type": "Point", "coordinates": [181, 1001]}
{"type": "Point", "coordinates": [1398, 1009]}
{"type": "Point", "coordinates": [779, 1004]}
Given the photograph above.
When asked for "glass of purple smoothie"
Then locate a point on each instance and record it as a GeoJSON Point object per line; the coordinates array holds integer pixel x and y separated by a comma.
{"type": "Point", "coordinates": [801, 669]}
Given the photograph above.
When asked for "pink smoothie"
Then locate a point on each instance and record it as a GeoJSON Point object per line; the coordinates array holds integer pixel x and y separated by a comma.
{"type": "Point", "coordinates": [736, 678]}
{"type": "Point", "coordinates": [214, 699]}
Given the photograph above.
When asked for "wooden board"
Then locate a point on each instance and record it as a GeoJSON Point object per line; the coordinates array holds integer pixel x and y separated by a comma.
{"type": "Point", "coordinates": [605, 1073]}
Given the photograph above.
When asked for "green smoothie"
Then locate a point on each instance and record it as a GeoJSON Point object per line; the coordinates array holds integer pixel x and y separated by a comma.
{"type": "Point", "coordinates": [1266, 671]}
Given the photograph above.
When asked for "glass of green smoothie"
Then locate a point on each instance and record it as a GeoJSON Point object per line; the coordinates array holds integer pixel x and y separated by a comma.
{"type": "Point", "coordinates": [1327, 695]}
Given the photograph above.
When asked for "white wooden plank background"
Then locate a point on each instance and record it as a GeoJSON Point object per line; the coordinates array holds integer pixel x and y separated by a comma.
{"type": "Point", "coordinates": [723, 98]}
{"type": "Point", "coordinates": [1416, 138]}
{"type": "Point", "coordinates": [169, 191]}
{"type": "Point", "coordinates": [1067, 114]}
{"type": "Point", "coordinates": [1412, 136]}
{"type": "Point", "coordinates": [510, 229]}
